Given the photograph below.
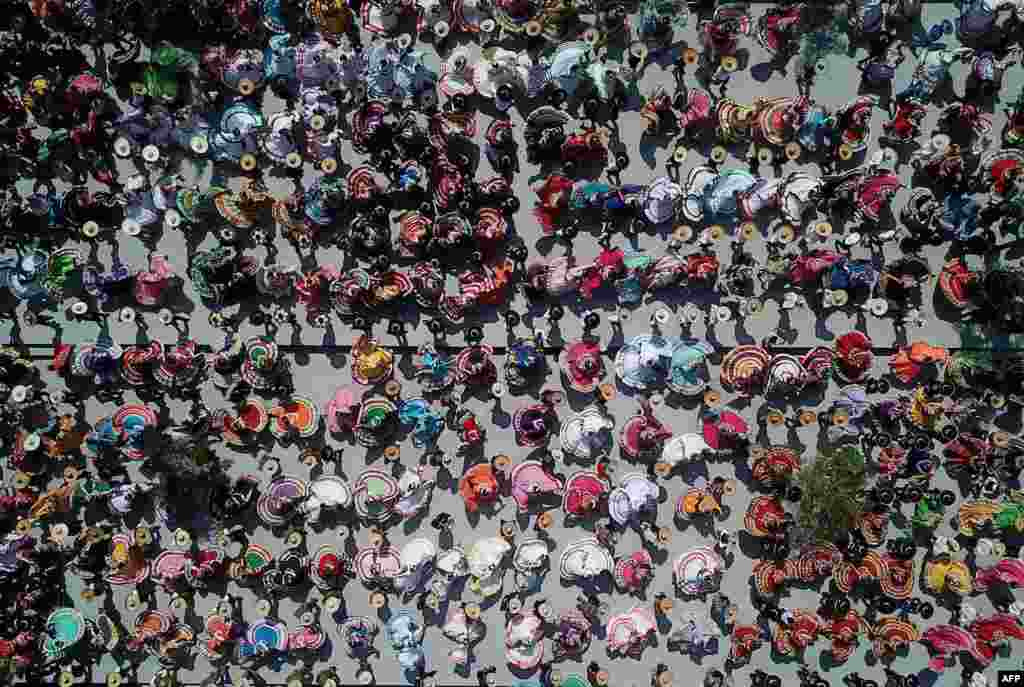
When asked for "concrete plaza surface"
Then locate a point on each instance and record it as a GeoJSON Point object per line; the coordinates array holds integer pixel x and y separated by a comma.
{"type": "Point", "coordinates": [321, 363]}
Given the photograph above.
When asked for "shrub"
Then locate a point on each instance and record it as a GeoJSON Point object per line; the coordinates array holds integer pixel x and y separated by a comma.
{"type": "Point", "coordinates": [832, 498]}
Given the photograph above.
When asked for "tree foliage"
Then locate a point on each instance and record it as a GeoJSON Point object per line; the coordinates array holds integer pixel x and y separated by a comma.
{"type": "Point", "coordinates": [832, 487]}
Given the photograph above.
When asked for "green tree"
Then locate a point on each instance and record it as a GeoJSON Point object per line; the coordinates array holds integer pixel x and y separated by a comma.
{"type": "Point", "coordinates": [832, 487]}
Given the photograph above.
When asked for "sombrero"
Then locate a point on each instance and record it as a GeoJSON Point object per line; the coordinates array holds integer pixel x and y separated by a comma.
{"type": "Point", "coordinates": [478, 484]}
{"type": "Point", "coordinates": [455, 81]}
{"type": "Point", "coordinates": [414, 234]}
{"type": "Point", "coordinates": [240, 119]}
{"type": "Point", "coordinates": [361, 183]}
{"type": "Point", "coordinates": [762, 513]}
{"type": "Point", "coordinates": [96, 360]}
{"type": "Point", "coordinates": [239, 213]}
{"type": "Point", "coordinates": [150, 624]}
{"type": "Point", "coordinates": [582, 366]}
{"type": "Point", "coordinates": [818, 363]}
{"type": "Point", "coordinates": [491, 225]}
{"type": "Point", "coordinates": [424, 420]}
{"type": "Point", "coordinates": [774, 463]}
